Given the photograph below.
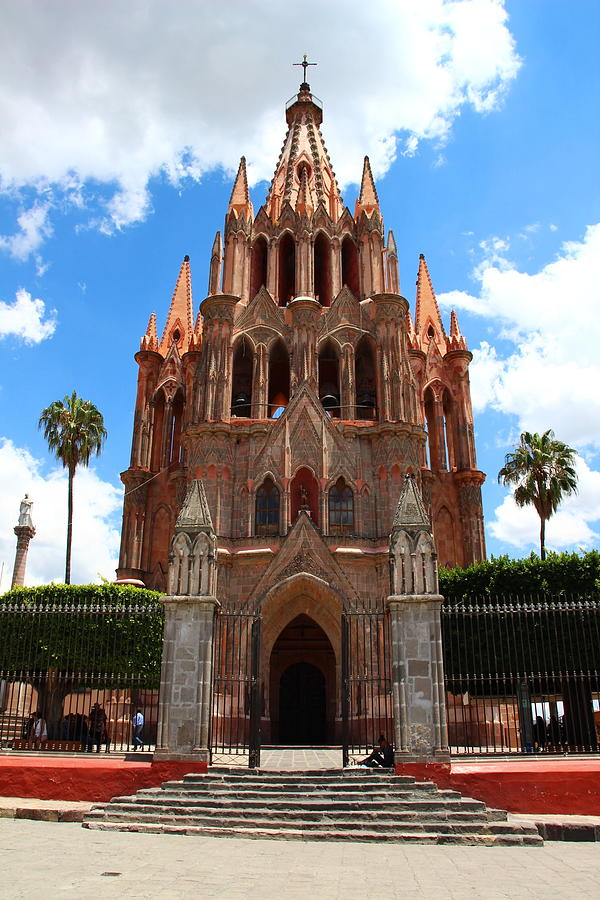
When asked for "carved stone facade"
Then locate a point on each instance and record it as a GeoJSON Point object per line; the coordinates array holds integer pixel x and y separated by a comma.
{"type": "Point", "coordinates": [303, 391]}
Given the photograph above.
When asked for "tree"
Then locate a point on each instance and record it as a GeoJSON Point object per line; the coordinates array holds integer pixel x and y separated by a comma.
{"type": "Point", "coordinates": [74, 430]}
{"type": "Point", "coordinates": [543, 470]}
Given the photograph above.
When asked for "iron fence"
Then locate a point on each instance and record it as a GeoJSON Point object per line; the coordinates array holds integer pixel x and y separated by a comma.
{"type": "Point", "coordinates": [72, 675]}
{"type": "Point", "coordinates": [367, 709]}
{"type": "Point", "coordinates": [522, 674]}
{"type": "Point", "coordinates": [237, 689]}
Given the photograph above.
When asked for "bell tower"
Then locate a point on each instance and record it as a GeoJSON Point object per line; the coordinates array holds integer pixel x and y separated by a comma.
{"type": "Point", "coordinates": [304, 387]}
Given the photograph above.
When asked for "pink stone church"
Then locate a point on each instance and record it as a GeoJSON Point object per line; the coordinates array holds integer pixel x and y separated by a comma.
{"type": "Point", "coordinates": [301, 393]}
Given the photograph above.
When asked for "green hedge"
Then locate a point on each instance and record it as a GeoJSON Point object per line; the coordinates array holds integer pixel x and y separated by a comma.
{"type": "Point", "coordinates": [559, 575]}
{"type": "Point", "coordinates": [109, 632]}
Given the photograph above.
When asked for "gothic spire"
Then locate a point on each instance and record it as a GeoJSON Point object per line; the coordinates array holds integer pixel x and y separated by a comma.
{"type": "Point", "coordinates": [428, 321]}
{"type": "Point", "coordinates": [367, 201]}
{"type": "Point", "coordinates": [179, 325]}
{"type": "Point", "coordinates": [240, 201]}
{"type": "Point", "coordinates": [304, 151]}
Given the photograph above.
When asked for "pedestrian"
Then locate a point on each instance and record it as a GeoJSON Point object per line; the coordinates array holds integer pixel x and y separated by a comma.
{"type": "Point", "coordinates": [97, 728]}
{"type": "Point", "coordinates": [39, 732]}
{"type": "Point", "coordinates": [137, 722]}
{"type": "Point", "coordinates": [27, 729]}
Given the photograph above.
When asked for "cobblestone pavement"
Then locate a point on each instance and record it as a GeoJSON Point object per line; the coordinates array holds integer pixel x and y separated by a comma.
{"type": "Point", "coordinates": [287, 759]}
{"type": "Point", "coordinates": [40, 859]}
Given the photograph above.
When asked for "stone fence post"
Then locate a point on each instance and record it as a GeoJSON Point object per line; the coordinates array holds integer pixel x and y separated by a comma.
{"type": "Point", "coordinates": [184, 710]}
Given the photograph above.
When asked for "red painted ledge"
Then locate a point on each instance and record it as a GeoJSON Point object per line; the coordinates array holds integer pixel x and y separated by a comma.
{"type": "Point", "coordinates": [556, 786]}
{"type": "Point", "coordinates": [75, 778]}
{"type": "Point", "coordinates": [562, 785]}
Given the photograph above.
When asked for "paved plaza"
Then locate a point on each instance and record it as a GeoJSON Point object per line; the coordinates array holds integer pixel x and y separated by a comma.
{"type": "Point", "coordinates": [40, 859]}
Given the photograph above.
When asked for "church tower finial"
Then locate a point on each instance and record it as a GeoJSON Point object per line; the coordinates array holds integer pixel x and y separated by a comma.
{"type": "Point", "coordinates": [367, 201]}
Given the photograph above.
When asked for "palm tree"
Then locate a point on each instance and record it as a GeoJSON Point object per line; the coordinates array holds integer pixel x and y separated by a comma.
{"type": "Point", "coordinates": [543, 470]}
{"type": "Point", "coordinates": [74, 430]}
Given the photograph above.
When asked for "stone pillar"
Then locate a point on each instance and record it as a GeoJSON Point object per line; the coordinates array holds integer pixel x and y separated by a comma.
{"type": "Point", "coordinates": [24, 531]}
{"type": "Point", "coordinates": [421, 733]}
{"type": "Point", "coordinates": [414, 605]}
{"type": "Point", "coordinates": [186, 678]}
{"type": "Point", "coordinates": [184, 711]}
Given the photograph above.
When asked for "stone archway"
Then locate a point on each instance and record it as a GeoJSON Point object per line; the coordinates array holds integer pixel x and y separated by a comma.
{"type": "Point", "coordinates": [301, 624]}
{"type": "Point", "coordinates": [302, 685]}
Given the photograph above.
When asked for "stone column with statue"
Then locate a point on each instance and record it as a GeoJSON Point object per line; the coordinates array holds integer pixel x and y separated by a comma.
{"type": "Point", "coordinates": [421, 734]}
{"type": "Point", "coordinates": [24, 531]}
{"type": "Point", "coordinates": [186, 672]}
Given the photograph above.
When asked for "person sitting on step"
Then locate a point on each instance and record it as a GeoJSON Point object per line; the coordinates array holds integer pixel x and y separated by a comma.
{"type": "Point", "coordinates": [382, 756]}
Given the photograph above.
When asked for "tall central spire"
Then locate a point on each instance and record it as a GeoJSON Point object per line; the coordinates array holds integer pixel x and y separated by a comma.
{"type": "Point", "coordinates": [304, 161]}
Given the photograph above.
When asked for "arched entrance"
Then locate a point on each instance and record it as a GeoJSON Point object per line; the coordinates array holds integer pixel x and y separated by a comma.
{"type": "Point", "coordinates": [302, 705]}
{"type": "Point", "coordinates": [302, 685]}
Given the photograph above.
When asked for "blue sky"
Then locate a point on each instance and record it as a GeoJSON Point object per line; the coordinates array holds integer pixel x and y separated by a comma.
{"type": "Point", "coordinates": [120, 136]}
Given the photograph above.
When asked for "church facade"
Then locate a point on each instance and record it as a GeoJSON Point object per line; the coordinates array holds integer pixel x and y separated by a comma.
{"type": "Point", "coordinates": [301, 395]}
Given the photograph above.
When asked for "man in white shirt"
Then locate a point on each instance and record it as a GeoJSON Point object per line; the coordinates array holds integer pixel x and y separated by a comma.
{"type": "Point", "coordinates": [138, 723]}
{"type": "Point", "coordinates": [39, 732]}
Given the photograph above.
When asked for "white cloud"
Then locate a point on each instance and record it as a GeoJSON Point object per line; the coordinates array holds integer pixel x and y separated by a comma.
{"type": "Point", "coordinates": [26, 318]}
{"type": "Point", "coordinates": [551, 378]}
{"type": "Point", "coordinates": [95, 534]}
{"type": "Point", "coordinates": [34, 228]}
{"type": "Point", "coordinates": [570, 526]}
{"type": "Point", "coordinates": [117, 93]}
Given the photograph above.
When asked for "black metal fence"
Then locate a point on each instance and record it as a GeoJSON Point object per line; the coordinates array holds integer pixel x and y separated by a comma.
{"type": "Point", "coordinates": [236, 709]}
{"type": "Point", "coordinates": [367, 710]}
{"type": "Point", "coordinates": [72, 675]}
{"type": "Point", "coordinates": [522, 675]}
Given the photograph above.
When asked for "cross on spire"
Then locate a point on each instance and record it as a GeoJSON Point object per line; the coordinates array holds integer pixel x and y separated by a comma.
{"type": "Point", "coordinates": [305, 64]}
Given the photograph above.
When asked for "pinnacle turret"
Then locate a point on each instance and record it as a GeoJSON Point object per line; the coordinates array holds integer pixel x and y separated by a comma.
{"type": "Point", "coordinates": [367, 201]}
{"type": "Point", "coordinates": [150, 338]}
{"type": "Point", "coordinates": [239, 201]}
{"type": "Point", "coordinates": [179, 325]}
{"type": "Point", "coordinates": [428, 321]}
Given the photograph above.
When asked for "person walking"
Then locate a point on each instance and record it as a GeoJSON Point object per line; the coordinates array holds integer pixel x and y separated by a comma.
{"type": "Point", "coordinates": [137, 721]}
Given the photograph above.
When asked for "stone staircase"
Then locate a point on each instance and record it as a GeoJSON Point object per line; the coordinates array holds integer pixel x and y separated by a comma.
{"type": "Point", "coordinates": [349, 805]}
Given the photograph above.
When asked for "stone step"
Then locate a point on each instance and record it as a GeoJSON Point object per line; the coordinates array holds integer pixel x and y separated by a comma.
{"type": "Point", "coordinates": [357, 824]}
{"type": "Point", "coordinates": [340, 781]}
{"type": "Point", "coordinates": [360, 804]}
{"type": "Point", "coordinates": [378, 836]}
{"type": "Point", "coordinates": [352, 817]}
{"type": "Point", "coordinates": [320, 806]}
{"type": "Point", "coordinates": [300, 796]}
{"type": "Point", "coordinates": [303, 787]}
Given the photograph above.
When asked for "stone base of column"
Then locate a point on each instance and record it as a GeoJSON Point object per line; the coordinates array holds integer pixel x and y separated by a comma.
{"type": "Point", "coordinates": [201, 757]}
{"type": "Point", "coordinates": [436, 757]}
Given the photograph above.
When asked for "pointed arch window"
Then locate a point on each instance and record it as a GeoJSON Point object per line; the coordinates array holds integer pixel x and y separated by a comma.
{"type": "Point", "coordinates": [329, 379]}
{"type": "Point", "coordinates": [287, 269]}
{"type": "Point", "coordinates": [267, 508]}
{"type": "Point", "coordinates": [341, 508]}
{"type": "Point", "coordinates": [350, 266]}
{"type": "Point", "coordinates": [364, 378]}
{"type": "Point", "coordinates": [322, 269]}
{"type": "Point", "coordinates": [241, 383]}
{"type": "Point", "coordinates": [279, 379]}
{"type": "Point", "coordinates": [258, 267]}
